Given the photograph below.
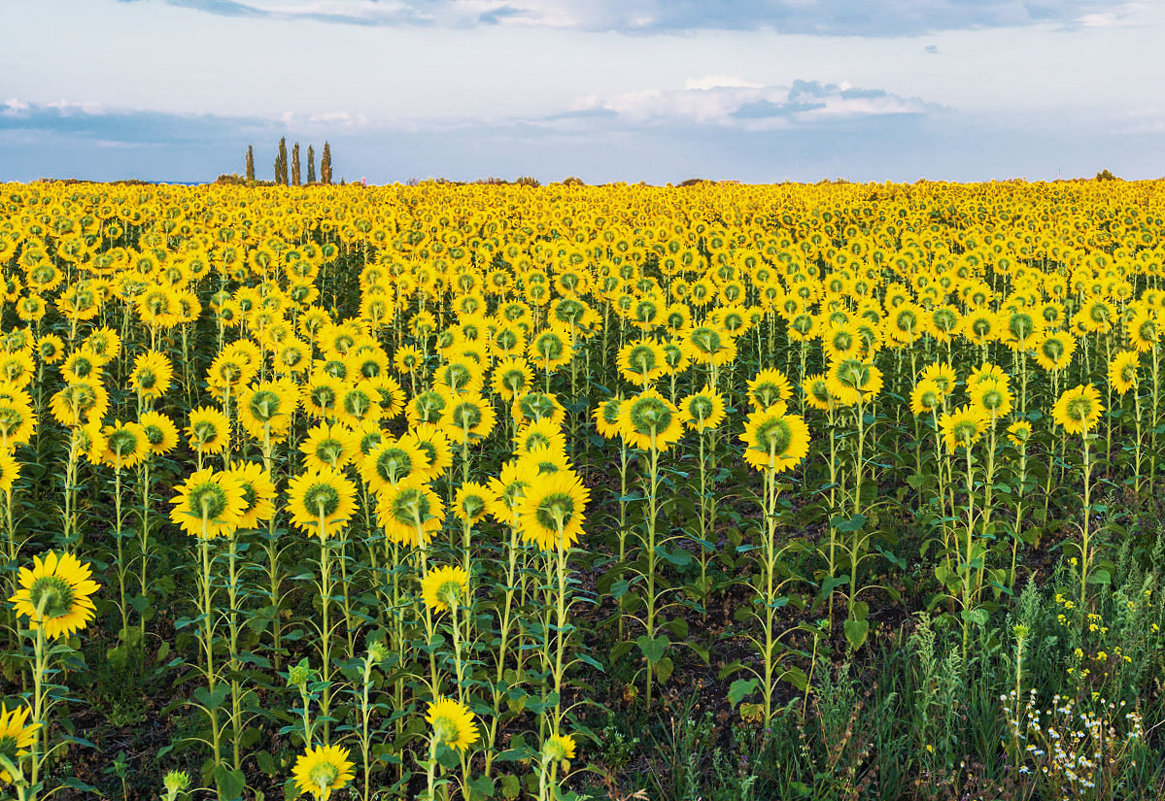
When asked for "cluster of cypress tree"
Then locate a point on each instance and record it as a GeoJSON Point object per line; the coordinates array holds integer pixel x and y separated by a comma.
{"type": "Point", "coordinates": [292, 177]}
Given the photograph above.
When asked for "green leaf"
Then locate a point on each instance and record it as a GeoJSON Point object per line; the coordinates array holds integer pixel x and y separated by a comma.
{"type": "Point", "coordinates": [741, 689]}
{"type": "Point", "coordinates": [511, 786]}
{"type": "Point", "coordinates": [795, 676]}
{"type": "Point", "coordinates": [653, 648]}
{"type": "Point", "coordinates": [230, 783]}
{"type": "Point", "coordinates": [978, 616]}
{"type": "Point", "coordinates": [212, 700]}
{"type": "Point", "coordinates": [850, 524]}
{"type": "Point", "coordinates": [1100, 576]}
{"type": "Point", "coordinates": [856, 632]}
{"type": "Point", "coordinates": [481, 787]}
{"type": "Point", "coordinates": [663, 669]}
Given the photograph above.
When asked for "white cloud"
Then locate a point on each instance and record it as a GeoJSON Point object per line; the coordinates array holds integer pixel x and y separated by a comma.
{"type": "Point", "coordinates": [14, 107]}
{"type": "Point", "coordinates": [721, 81]}
{"type": "Point", "coordinates": [69, 107]}
{"type": "Point", "coordinates": [832, 17]}
{"type": "Point", "coordinates": [735, 102]}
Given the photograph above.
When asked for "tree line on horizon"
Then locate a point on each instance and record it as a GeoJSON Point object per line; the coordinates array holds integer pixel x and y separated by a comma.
{"type": "Point", "coordinates": [292, 176]}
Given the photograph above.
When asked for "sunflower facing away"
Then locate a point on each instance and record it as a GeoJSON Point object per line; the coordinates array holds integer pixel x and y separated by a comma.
{"type": "Point", "coordinates": [444, 588]}
{"type": "Point", "coordinates": [553, 502]}
{"type": "Point", "coordinates": [17, 736]}
{"type": "Point", "coordinates": [321, 497]}
{"type": "Point", "coordinates": [452, 723]}
{"type": "Point", "coordinates": [775, 440]}
{"type": "Point", "coordinates": [1078, 409]}
{"type": "Point", "coordinates": [209, 504]}
{"type": "Point", "coordinates": [323, 769]}
{"type": "Point", "coordinates": [54, 593]}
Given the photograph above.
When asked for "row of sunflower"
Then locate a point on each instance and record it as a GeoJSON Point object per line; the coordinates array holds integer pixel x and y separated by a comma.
{"type": "Point", "coordinates": [380, 412]}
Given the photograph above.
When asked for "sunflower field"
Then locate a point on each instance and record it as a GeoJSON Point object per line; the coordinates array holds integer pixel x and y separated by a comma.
{"type": "Point", "coordinates": [476, 492]}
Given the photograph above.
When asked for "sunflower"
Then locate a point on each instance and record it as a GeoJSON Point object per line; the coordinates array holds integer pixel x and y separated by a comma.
{"type": "Point", "coordinates": [434, 444]}
{"type": "Point", "coordinates": [842, 341]}
{"type": "Point", "coordinates": [775, 440]}
{"type": "Point", "coordinates": [81, 365]}
{"type": "Point", "coordinates": [708, 345]}
{"type": "Point", "coordinates": [429, 406]}
{"type": "Point", "coordinates": [1019, 433]}
{"type": "Point", "coordinates": [816, 391]}
{"type": "Point", "coordinates": [320, 396]}
{"type": "Point", "coordinates": [408, 360]}
{"type": "Point", "coordinates": [409, 512]}
{"type": "Point", "coordinates": [1078, 409]}
{"type": "Point", "coordinates": [768, 387]}
{"type": "Point", "coordinates": [265, 409]}
{"type": "Point", "coordinates": [981, 326]}
{"type": "Point", "coordinates": [1122, 370]}
{"type": "Point", "coordinates": [541, 434]}
{"type": "Point", "coordinates": [853, 380]}
{"type": "Point", "coordinates": [942, 374]}
{"type": "Point", "coordinates": [208, 504]}
{"type": "Point", "coordinates": [987, 373]}
{"type": "Point", "coordinates": [1142, 331]}
{"type": "Point", "coordinates": [991, 396]}
{"type": "Point", "coordinates": [542, 459]}
{"type": "Point", "coordinates": [208, 430]}
{"type": "Point", "coordinates": [962, 427]}
{"type": "Point", "coordinates": [160, 431]}
{"type": "Point", "coordinates": [329, 445]}
{"type": "Point", "coordinates": [648, 420]}
{"type": "Point", "coordinates": [322, 496]}
{"type": "Point", "coordinates": [551, 512]}
{"type": "Point", "coordinates": [151, 375]}
{"type": "Point", "coordinates": [444, 588]}
{"type": "Point", "coordinates": [641, 362]}
{"type": "Point", "coordinates": [550, 349]}
{"type": "Point", "coordinates": [607, 417]}
{"type": "Point", "coordinates": [473, 501]}
{"type": "Point", "coordinates": [258, 494]}
{"type": "Point", "coordinates": [512, 378]}
{"type": "Point", "coordinates": [123, 444]}
{"type": "Point", "coordinates": [9, 470]}
{"type": "Point", "coordinates": [926, 397]}
{"type": "Point", "coordinates": [228, 372]}
{"type": "Point", "coordinates": [50, 348]}
{"type": "Point", "coordinates": [54, 593]}
{"type": "Point", "coordinates": [79, 402]}
{"type": "Point", "coordinates": [452, 723]}
{"type": "Point", "coordinates": [17, 419]}
{"type": "Point", "coordinates": [392, 462]}
{"type": "Point", "coordinates": [19, 369]}
{"type": "Point", "coordinates": [323, 769]}
{"type": "Point", "coordinates": [535, 406]}
{"type": "Point", "coordinates": [559, 747]}
{"type": "Point", "coordinates": [1054, 350]}
{"type": "Point", "coordinates": [389, 396]}
{"type": "Point", "coordinates": [17, 736]}
{"type": "Point", "coordinates": [703, 410]}
{"type": "Point", "coordinates": [468, 418]}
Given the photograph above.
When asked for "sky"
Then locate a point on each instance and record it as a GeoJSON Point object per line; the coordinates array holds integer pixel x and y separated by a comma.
{"type": "Point", "coordinates": [605, 90]}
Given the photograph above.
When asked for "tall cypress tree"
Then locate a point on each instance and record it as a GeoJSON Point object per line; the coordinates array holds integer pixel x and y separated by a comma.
{"type": "Point", "coordinates": [311, 165]}
{"type": "Point", "coordinates": [250, 163]}
{"type": "Point", "coordinates": [326, 164]}
{"type": "Point", "coordinates": [281, 161]}
{"type": "Point", "coordinates": [295, 173]}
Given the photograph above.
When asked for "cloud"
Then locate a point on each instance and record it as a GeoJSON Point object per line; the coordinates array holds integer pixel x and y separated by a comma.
{"type": "Point", "coordinates": [828, 17]}
{"type": "Point", "coordinates": [729, 101]}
